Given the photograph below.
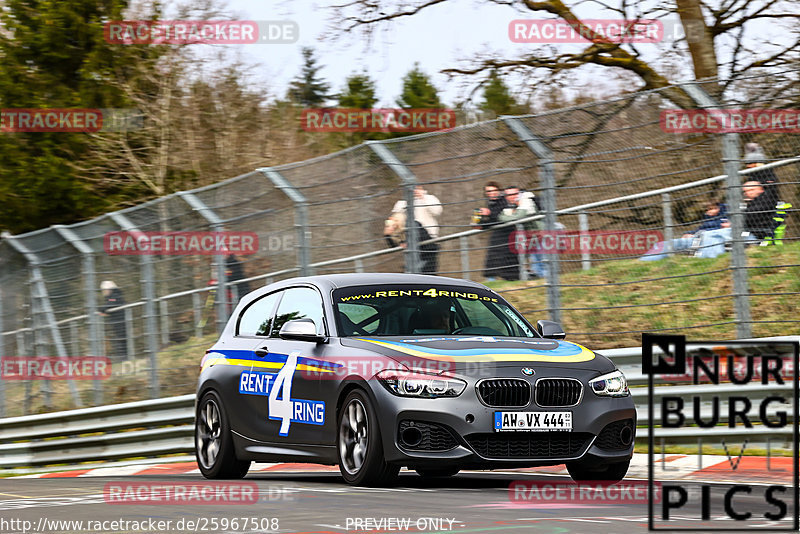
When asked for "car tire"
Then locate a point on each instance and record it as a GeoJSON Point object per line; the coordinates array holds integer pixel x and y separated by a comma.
{"type": "Point", "coordinates": [437, 473]}
{"type": "Point", "coordinates": [213, 443]}
{"type": "Point", "coordinates": [358, 444]}
{"type": "Point", "coordinates": [584, 472]}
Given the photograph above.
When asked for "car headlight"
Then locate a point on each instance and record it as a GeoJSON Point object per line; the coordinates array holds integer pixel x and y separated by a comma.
{"type": "Point", "coordinates": [610, 385]}
{"type": "Point", "coordinates": [422, 385]}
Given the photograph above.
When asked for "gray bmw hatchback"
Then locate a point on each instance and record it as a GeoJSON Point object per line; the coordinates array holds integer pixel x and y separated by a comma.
{"type": "Point", "coordinates": [374, 372]}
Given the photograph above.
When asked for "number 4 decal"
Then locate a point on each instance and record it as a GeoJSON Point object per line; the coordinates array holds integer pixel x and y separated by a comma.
{"type": "Point", "coordinates": [282, 408]}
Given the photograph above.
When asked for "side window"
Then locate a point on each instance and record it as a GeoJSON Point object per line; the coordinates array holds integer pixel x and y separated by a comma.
{"type": "Point", "coordinates": [256, 320]}
{"type": "Point", "coordinates": [353, 314]}
{"type": "Point", "coordinates": [299, 303]}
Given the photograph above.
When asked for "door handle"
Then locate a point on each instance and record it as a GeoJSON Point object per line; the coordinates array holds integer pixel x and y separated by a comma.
{"type": "Point", "coordinates": [261, 352]}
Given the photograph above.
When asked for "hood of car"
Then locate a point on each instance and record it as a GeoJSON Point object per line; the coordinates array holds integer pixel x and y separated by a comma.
{"type": "Point", "coordinates": [463, 350]}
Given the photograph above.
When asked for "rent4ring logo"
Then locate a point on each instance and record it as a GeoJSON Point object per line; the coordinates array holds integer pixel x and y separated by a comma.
{"type": "Point", "coordinates": [277, 387]}
{"type": "Point", "coordinates": [737, 399]}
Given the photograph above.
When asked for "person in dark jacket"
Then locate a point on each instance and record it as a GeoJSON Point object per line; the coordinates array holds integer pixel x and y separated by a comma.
{"type": "Point", "coordinates": [115, 320]}
{"type": "Point", "coordinates": [501, 261]}
{"type": "Point", "coordinates": [759, 213]}
{"type": "Point", "coordinates": [759, 223]}
{"type": "Point", "coordinates": [234, 270]}
{"type": "Point", "coordinates": [754, 158]}
{"type": "Point", "coordinates": [715, 213]}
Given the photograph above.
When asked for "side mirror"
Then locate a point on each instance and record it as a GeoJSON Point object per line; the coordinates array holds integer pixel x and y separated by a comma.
{"type": "Point", "coordinates": [300, 330]}
{"type": "Point", "coordinates": [550, 329]}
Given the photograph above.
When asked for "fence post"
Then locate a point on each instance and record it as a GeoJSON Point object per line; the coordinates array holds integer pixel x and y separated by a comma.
{"type": "Point", "coordinates": [163, 314]}
{"type": "Point", "coordinates": [197, 309]}
{"type": "Point", "coordinates": [519, 244]}
{"type": "Point", "coordinates": [730, 158]}
{"type": "Point", "coordinates": [463, 245]}
{"type": "Point", "coordinates": [2, 353]}
{"type": "Point", "coordinates": [22, 350]}
{"type": "Point", "coordinates": [359, 266]}
{"type": "Point", "coordinates": [548, 184]}
{"type": "Point", "coordinates": [300, 217]}
{"type": "Point", "coordinates": [90, 285]}
{"type": "Point", "coordinates": [216, 224]}
{"type": "Point", "coordinates": [149, 297]}
{"type": "Point", "coordinates": [41, 299]}
{"type": "Point", "coordinates": [583, 227]}
{"type": "Point", "coordinates": [409, 181]}
{"type": "Point", "coordinates": [130, 348]}
{"type": "Point", "coordinates": [666, 210]}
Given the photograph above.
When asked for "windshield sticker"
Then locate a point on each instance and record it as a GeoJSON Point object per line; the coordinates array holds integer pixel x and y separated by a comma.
{"type": "Point", "coordinates": [514, 317]}
{"type": "Point", "coordinates": [432, 292]}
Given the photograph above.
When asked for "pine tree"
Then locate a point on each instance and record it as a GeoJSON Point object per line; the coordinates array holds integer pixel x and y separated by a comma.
{"type": "Point", "coordinates": [359, 92]}
{"type": "Point", "coordinates": [497, 98]}
{"type": "Point", "coordinates": [309, 89]}
{"type": "Point", "coordinates": [54, 55]}
{"type": "Point", "coordinates": [418, 91]}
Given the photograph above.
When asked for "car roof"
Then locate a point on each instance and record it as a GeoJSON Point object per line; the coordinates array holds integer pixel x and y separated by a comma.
{"type": "Point", "coordinates": [333, 281]}
{"type": "Point", "coordinates": [328, 282]}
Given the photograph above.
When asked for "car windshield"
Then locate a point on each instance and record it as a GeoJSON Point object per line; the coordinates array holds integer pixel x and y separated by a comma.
{"type": "Point", "coordinates": [408, 310]}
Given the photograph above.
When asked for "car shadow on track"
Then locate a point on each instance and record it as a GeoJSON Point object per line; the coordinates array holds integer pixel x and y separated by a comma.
{"type": "Point", "coordinates": [470, 480]}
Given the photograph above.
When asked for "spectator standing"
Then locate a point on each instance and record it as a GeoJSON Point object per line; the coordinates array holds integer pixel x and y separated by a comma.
{"type": "Point", "coordinates": [427, 210]}
{"type": "Point", "coordinates": [520, 205]}
{"type": "Point", "coordinates": [234, 270]}
{"type": "Point", "coordinates": [501, 262]}
{"type": "Point", "coordinates": [115, 320]}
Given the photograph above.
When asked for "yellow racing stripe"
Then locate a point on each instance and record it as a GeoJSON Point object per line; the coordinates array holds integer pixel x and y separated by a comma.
{"type": "Point", "coordinates": [262, 365]}
{"type": "Point", "coordinates": [584, 355]}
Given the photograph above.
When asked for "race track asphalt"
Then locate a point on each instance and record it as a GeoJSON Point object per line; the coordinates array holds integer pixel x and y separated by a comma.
{"type": "Point", "coordinates": [320, 502]}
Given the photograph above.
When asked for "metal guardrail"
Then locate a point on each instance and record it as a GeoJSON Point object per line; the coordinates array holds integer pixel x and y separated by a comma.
{"type": "Point", "coordinates": [164, 426]}
{"type": "Point", "coordinates": [103, 433]}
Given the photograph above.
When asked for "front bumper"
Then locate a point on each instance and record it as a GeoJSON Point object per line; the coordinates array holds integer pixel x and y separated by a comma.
{"type": "Point", "coordinates": [475, 444]}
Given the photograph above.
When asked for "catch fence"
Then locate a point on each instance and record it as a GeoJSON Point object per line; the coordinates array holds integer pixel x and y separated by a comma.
{"type": "Point", "coordinates": [604, 167]}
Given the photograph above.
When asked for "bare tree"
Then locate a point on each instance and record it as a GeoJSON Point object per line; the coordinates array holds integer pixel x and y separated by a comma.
{"type": "Point", "coordinates": [719, 41]}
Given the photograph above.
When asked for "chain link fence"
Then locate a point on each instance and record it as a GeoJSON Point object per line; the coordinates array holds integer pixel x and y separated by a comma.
{"type": "Point", "coordinates": [606, 168]}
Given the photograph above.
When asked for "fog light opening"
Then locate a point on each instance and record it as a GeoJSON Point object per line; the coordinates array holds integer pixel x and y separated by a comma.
{"type": "Point", "coordinates": [411, 437]}
{"type": "Point", "coordinates": [626, 435]}
{"type": "Point", "coordinates": [470, 418]}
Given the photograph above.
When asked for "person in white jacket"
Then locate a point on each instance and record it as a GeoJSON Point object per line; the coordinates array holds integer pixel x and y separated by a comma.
{"type": "Point", "coordinates": [427, 210]}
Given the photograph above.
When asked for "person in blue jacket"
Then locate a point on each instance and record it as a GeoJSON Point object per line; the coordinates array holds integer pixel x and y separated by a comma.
{"type": "Point", "coordinates": [714, 218]}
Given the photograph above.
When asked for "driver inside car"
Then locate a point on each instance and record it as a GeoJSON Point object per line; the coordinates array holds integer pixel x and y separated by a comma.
{"type": "Point", "coordinates": [433, 318]}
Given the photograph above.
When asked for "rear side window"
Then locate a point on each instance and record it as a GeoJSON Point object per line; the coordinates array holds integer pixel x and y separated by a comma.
{"type": "Point", "coordinates": [256, 319]}
{"type": "Point", "coordinates": [299, 303]}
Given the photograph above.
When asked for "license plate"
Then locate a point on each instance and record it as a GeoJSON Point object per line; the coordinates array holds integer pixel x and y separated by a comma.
{"type": "Point", "coordinates": [532, 421]}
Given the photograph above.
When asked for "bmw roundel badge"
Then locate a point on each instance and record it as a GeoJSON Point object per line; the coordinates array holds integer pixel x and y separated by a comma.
{"type": "Point", "coordinates": [528, 371]}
